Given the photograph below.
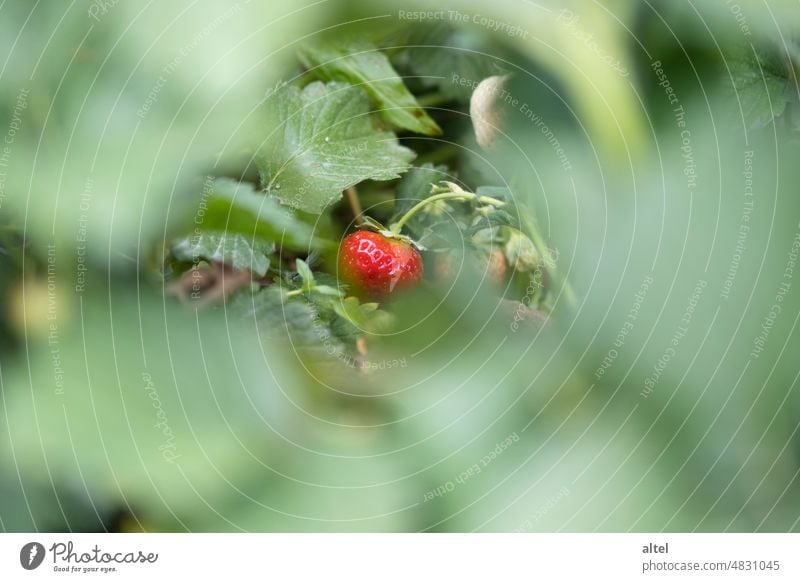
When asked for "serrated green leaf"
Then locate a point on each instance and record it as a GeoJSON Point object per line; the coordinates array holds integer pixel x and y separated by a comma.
{"type": "Point", "coordinates": [233, 206]}
{"type": "Point", "coordinates": [321, 140]}
{"type": "Point", "coordinates": [416, 185]}
{"type": "Point", "coordinates": [233, 249]}
{"type": "Point", "coordinates": [361, 63]}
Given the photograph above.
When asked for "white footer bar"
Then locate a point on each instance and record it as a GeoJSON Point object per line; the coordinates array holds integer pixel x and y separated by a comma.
{"type": "Point", "coordinates": [401, 557]}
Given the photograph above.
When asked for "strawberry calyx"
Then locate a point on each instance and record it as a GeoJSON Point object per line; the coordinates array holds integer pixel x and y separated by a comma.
{"type": "Point", "coordinates": [370, 224]}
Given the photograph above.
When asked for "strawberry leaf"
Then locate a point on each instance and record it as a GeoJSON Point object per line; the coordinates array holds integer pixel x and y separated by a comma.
{"type": "Point", "coordinates": [361, 63]}
{"type": "Point", "coordinates": [278, 318]}
{"type": "Point", "coordinates": [321, 140]}
{"type": "Point", "coordinates": [233, 249]}
{"type": "Point", "coordinates": [232, 206]}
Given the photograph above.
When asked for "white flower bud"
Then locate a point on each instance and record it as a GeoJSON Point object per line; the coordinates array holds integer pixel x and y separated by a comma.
{"type": "Point", "coordinates": [484, 109]}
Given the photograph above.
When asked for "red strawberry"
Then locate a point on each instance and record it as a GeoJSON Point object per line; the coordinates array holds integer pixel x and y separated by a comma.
{"type": "Point", "coordinates": [497, 268]}
{"type": "Point", "coordinates": [378, 265]}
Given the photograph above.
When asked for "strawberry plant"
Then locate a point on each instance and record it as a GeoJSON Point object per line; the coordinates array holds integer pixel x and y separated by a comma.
{"type": "Point", "coordinates": [275, 241]}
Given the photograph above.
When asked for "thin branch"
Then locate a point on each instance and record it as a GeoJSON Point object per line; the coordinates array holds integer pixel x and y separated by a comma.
{"type": "Point", "coordinates": [355, 204]}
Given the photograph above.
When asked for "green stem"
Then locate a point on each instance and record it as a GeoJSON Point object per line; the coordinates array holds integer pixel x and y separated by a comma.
{"type": "Point", "coordinates": [295, 293]}
{"type": "Point", "coordinates": [398, 226]}
{"type": "Point", "coordinates": [355, 204]}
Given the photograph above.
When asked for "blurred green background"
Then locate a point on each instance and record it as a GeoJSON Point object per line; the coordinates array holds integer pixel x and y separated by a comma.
{"type": "Point", "coordinates": [659, 147]}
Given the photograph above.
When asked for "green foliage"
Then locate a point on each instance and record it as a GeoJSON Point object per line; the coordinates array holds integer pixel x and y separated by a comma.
{"type": "Point", "coordinates": [127, 420]}
{"type": "Point", "coordinates": [362, 64]}
{"type": "Point", "coordinates": [450, 59]}
{"type": "Point", "coordinates": [763, 86]}
{"type": "Point", "coordinates": [230, 248]}
{"type": "Point", "coordinates": [305, 273]}
{"type": "Point", "coordinates": [322, 139]}
{"type": "Point", "coordinates": [237, 207]}
{"type": "Point", "coordinates": [277, 317]}
{"type": "Point", "coordinates": [318, 319]}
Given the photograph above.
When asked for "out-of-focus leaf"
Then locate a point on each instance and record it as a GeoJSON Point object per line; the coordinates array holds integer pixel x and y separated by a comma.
{"type": "Point", "coordinates": [295, 319]}
{"type": "Point", "coordinates": [125, 105]}
{"type": "Point", "coordinates": [27, 506]}
{"type": "Point", "coordinates": [354, 311]}
{"type": "Point", "coordinates": [341, 476]}
{"type": "Point", "coordinates": [361, 63]}
{"type": "Point", "coordinates": [321, 140]}
{"type": "Point", "coordinates": [161, 410]}
{"type": "Point", "coordinates": [454, 60]}
{"type": "Point", "coordinates": [762, 88]}
{"type": "Point", "coordinates": [212, 49]}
